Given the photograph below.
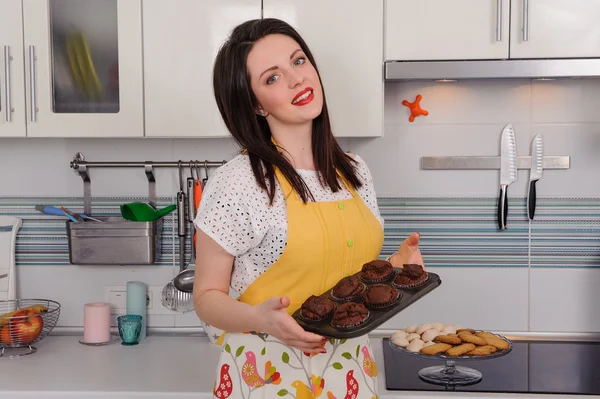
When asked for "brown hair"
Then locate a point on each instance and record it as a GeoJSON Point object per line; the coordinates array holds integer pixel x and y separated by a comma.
{"type": "Point", "coordinates": [237, 104]}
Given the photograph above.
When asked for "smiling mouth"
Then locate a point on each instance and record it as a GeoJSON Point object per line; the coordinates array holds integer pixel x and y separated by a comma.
{"type": "Point", "coordinates": [304, 98]}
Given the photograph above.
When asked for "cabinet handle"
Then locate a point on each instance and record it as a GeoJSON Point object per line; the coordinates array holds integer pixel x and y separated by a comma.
{"type": "Point", "coordinates": [8, 94]}
{"type": "Point", "coordinates": [32, 93]}
{"type": "Point", "coordinates": [525, 20]}
{"type": "Point", "coordinates": [499, 20]}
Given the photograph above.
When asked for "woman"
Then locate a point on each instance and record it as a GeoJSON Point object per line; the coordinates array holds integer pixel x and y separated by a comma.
{"type": "Point", "coordinates": [284, 220]}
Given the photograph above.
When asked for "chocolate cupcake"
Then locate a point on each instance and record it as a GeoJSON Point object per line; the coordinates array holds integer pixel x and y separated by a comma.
{"type": "Point", "coordinates": [316, 308]}
{"type": "Point", "coordinates": [411, 276]}
{"type": "Point", "coordinates": [349, 315]}
{"type": "Point", "coordinates": [376, 271]}
{"type": "Point", "coordinates": [347, 288]}
{"type": "Point", "coordinates": [380, 295]}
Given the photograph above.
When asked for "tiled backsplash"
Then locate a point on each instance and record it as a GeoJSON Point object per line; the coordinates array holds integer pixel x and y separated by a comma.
{"type": "Point", "coordinates": [43, 241]}
{"type": "Point", "coordinates": [540, 276]}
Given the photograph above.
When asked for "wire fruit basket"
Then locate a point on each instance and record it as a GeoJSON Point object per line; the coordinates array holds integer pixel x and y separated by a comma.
{"type": "Point", "coordinates": [24, 322]}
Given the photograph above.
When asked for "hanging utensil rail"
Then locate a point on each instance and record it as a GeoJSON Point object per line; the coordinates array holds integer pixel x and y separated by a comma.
{"type": "Point", "coordinates": [80, 165]}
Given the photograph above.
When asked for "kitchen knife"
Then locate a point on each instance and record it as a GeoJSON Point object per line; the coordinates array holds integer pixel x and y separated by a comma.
{"type": "Point", "coordinates": [508, 171]}
{"type": "Point", "coordinates": [537, 167]}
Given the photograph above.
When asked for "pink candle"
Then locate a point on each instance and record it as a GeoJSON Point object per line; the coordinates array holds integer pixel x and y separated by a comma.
{"type": "Point", "coordinates": [96, 322]}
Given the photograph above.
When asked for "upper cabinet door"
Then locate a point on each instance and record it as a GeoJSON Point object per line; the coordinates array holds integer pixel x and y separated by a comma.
{"type": "Point", "coordinates": [83, 68]}
{"type": "Point", "coordinates": [181, 41]}
{"type": "Point", "coordinates": [555, 28]}
{"type": "Point", "coordinates": [346, 39]}
{"type": "Point", "coordinates": [12, 94]}
{"type": "Point", "coordinates": [446, 30]}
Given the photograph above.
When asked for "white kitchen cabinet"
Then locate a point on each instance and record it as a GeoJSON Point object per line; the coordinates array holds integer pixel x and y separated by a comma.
{"type": "Point", "coordinates": [346, 39]}
{"type": "Point", "coordinates": [83, 68]}
{"type": "Point", "coordinates": [12, 94]}
{"type": "Point", "coordinates": [181, 41]}
{"type": "Point", "coordinates": [446, 30]}
{"type": "Point", "coordinates": [555, 29]}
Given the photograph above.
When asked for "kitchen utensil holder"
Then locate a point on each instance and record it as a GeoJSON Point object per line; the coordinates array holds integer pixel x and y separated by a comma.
{"type": "Point", "coordinates": [493, 162]}
{"type": "Point", "coordinates": [80, 165]}
{"type": "Point", "coordinates": [117, 241]}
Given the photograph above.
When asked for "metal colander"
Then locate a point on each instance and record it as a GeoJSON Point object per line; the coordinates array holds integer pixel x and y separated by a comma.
{"type": "Point", "coordinates": [23, 322]}
{"type": "Point", "coordinates": [176, 300]}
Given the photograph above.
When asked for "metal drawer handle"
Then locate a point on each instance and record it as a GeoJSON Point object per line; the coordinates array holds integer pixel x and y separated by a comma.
{"type": "Point", "coordinates": [8, 94]}
{"type": "Point", "coordinates": [32, 93]}
{"type": "Point", "coordinates": [525, 20]}
{"type": "Point", "coordinates": [499, 20]}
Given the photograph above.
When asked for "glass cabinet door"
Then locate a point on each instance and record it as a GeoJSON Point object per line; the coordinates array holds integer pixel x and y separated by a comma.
{"type": "Point", "coordinates": [84, 56]}
{"type": "Point", "coordinates": [83, 68]}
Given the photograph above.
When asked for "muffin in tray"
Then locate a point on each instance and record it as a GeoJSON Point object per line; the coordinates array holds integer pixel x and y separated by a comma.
{"type": "Point", "coordinates": [316, 308]}
{"type": "Point", "coordinates": [411, 275]}
{"type": "Point", "coordinates": [348, 288]}
{"type": "Point", "coordinates": [376, 271]}
{"type": "Point", "coordinates": [380, 295]}
{"type": "Point", "coordinates": [350, 315]}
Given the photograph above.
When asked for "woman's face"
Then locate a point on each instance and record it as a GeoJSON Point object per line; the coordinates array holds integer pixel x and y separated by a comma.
{"type": "Point", "coordinates": [284, 81]}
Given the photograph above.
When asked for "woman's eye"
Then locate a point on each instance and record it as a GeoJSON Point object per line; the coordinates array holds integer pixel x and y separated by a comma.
{"type": "Point", "coordinates": [299, 61]}
{"type": "Point", "coordinates": [272, 79]}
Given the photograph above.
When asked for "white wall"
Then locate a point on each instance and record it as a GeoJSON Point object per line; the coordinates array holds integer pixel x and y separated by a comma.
{"type": "Point", "coordinates": [466, 118]}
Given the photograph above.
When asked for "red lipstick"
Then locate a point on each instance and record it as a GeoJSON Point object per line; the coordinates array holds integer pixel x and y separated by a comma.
{"type": "Point", "coordinates": [306, 100]}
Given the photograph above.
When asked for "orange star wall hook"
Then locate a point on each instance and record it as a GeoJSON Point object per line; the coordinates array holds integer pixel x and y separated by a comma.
{"type": "Point", "coordinates": [415, 108]}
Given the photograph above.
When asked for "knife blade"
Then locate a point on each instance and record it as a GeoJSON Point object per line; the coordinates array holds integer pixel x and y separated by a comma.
{"type": "Point", "coordinates": [537, 167]}
{"type": "Point", "coordinates": [508, 171]}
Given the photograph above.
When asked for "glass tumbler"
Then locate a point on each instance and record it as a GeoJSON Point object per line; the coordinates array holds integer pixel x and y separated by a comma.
{"type": "Point", "coordinates": [130, 327]}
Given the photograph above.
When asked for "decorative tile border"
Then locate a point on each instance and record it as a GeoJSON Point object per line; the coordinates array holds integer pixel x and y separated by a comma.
{"type": "Point", "coordinates": [458, 232]}
{"type": "Point", "coordinates": [566, 234]}
{"type": "Point", "coordinates": [42, 239]}
{"type": "Point", "coordinates": [455, 232]}
{"type": "Point", "coordinates": [462, 232]}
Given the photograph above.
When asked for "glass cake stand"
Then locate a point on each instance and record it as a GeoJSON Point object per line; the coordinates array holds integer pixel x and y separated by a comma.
{"type": "Point", "coordinates": [449, 374]}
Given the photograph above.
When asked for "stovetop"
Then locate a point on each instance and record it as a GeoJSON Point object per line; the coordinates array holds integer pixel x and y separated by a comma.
{"type": "Point", "coordinates": [531, 367]}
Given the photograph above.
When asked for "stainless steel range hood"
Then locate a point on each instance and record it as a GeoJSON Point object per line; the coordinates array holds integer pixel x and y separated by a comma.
{"type": "Point", "coordinates": [493, 69]}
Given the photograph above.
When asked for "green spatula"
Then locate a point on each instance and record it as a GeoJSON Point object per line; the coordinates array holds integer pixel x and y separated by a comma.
{"type": "Point", "coordinates": [142, 212]}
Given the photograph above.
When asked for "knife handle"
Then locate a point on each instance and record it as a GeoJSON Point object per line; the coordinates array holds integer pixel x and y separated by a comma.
{"type": "Point", "coordinates": [531, 199]}
{"type": "Point", "coordinates": [503, 206]}
{"type": "Point", "coordinates": [190, 200]}
{"type": "Point", "coordinates": [181, 214]}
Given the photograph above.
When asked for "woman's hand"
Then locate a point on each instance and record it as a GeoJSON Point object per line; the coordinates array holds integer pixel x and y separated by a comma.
{"type": "Point", "coordinates": [409, 252]}
{"type": "Point", "coordinates": [277, 322]}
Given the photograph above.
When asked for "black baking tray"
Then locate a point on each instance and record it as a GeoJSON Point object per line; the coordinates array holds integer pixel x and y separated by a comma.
{"type": "Point", "coordinates": [376, 317]}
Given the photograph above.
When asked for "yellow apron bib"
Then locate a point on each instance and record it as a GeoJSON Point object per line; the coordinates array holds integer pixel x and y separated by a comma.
{"type": "Point", "coordinates": [326, 241]}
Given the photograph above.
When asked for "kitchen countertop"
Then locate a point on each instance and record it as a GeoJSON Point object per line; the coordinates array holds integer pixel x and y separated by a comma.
{"type": "Point", "coordinates": [162, 366]}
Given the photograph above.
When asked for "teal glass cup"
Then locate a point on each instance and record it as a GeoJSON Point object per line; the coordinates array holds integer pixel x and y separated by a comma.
{"type": "Point", "coordinates": [130, 327]}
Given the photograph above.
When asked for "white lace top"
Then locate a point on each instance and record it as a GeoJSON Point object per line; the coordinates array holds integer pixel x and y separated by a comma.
{"type": "Point", "coordinates": [235, 212]}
